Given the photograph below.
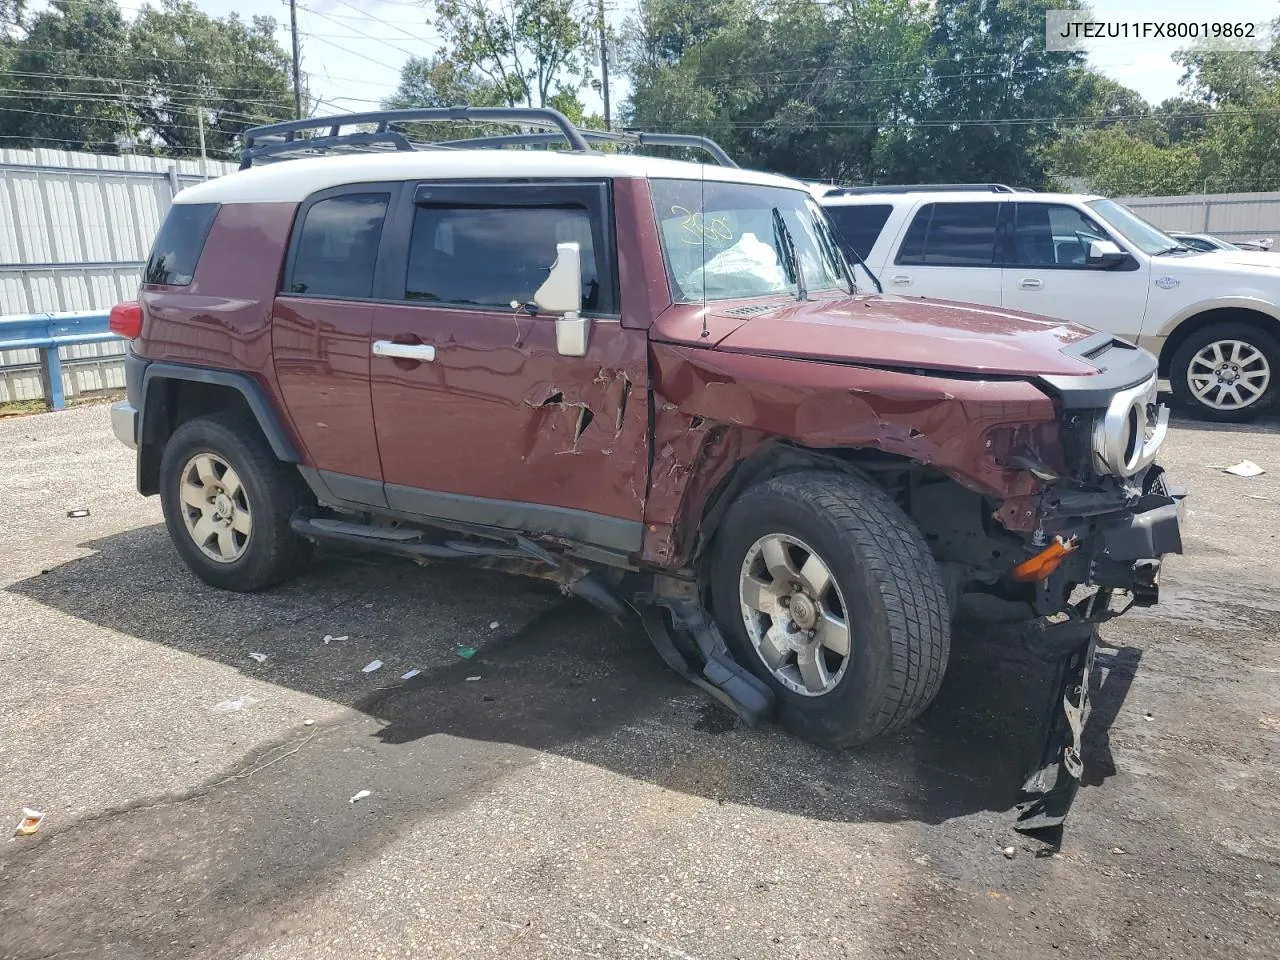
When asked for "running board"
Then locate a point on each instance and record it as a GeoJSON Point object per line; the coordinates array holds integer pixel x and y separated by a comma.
{"type": "Point", "coordinates": [721, 676]}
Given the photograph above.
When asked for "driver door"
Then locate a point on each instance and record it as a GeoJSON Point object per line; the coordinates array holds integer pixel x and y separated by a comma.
{"type": "Point", "coordinates": [482, 419]}
{"type": "Point", "coordinates": [1045, 271]}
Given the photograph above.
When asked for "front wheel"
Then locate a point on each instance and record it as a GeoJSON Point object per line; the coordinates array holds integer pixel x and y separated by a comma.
{"type": "Point", "coordinates": [826, 591]}
{"type": "Point", "coordinates": [1226, 372]}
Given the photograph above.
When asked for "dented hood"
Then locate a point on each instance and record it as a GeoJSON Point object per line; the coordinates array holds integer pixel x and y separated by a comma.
{"type": "Point", "coordinates": [915, 333]}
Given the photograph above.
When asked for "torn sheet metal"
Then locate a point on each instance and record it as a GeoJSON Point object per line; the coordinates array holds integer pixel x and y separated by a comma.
{"type": "Point", "coordinates": [711, 408]}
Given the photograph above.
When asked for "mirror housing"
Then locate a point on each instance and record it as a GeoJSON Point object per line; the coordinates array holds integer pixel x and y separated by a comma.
{"type": "Point", "coordinates": [1105, 254]}
{"type": "Point", "coordinates": [561, 293]}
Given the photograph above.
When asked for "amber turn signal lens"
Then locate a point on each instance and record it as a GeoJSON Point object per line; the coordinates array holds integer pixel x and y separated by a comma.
{"type": "Point", "coordinates": [1042, 565]}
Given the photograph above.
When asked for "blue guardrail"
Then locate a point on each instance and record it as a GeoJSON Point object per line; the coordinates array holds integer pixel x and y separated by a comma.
{"type": "Point", "coordinates": [47, 332]}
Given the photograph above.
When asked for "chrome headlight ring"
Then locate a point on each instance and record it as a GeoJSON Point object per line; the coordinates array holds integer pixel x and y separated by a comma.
{"type": "Point", "coordinates": [1127, 436]}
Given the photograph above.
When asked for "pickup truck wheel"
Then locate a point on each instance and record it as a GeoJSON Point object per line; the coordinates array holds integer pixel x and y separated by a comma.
{"type": "Point", "coordinates": [1226, 372]}
{"type": "Point", "coordinates": [227, 503]}
{"type": "Point", "coordinates": [827, 592]}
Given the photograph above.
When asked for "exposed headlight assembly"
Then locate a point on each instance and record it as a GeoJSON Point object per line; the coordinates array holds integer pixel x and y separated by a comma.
{"type": "Point", "coordinates": [1127, 436]}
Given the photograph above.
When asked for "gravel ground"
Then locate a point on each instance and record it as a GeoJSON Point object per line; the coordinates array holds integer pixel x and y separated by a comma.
{"type": "Point", "coordinates": [560, 794]}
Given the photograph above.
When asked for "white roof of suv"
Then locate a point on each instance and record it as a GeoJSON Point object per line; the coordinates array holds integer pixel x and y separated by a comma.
{"type": "Point", "coordinates": [295, 180]}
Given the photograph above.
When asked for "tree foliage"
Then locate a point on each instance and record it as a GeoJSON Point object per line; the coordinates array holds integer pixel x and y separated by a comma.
{"type": "Point", "coordinates": [529, 51]}
{"type": "Point", "coordinates": [80, 77]}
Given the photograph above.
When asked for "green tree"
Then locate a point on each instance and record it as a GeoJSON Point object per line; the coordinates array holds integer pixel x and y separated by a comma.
{"type": "Point", "coordinates": [65, 76]}
{"type": "Point", "coordinates": [182, 60]}
{"type": "Point", "coordinates": [528, 50]}
{"type": "Point", "coordinates": [437, 81]}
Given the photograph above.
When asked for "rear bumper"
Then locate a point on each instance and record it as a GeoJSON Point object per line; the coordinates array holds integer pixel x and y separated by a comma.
{"type": "Point", "coordinates": [124, 423]}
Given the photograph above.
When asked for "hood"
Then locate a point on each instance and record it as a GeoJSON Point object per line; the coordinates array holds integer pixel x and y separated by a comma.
{"type": "Point", "coordinates": [901, 332]}
{"type": "Point", "coordinates": [1244, 258]}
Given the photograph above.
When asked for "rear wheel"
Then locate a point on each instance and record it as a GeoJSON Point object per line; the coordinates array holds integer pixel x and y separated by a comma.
{"type": "Point", "coordinates": [827, 592]}
{"type": "Point", "coordinates": [1226, 372]}
{"type": "Point", "coordinates": [227, 503]}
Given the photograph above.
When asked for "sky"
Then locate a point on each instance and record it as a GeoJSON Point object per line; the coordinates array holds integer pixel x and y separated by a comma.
{"type": "Point", "coordinates": [352, 50]}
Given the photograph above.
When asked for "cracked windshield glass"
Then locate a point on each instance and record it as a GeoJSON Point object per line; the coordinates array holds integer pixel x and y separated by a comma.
{"type": "Point", "coordinates": [728, 241]}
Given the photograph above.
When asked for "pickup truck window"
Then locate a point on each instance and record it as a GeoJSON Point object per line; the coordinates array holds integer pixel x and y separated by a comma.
{"type": "Point", "coordinates": [490, 255]}
{"type": "Point", "coordinates": [859, 225]}
{"type": "Point", "coordinates": [337, 246]}
{"type": "Point", "coordinates": [953, 235]}
{"type": "Point", "coordinates": [1052, 235]}
{"type": "Point", "coordinates": [721, 240]}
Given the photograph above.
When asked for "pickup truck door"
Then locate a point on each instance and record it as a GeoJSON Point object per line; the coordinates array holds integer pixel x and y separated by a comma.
{"type": "Point", "coordinates": [949, 251]}
{"type": "Point", "coordinates": [1045, 271]}
{"type": "Point", "coordinates": [479, 417]}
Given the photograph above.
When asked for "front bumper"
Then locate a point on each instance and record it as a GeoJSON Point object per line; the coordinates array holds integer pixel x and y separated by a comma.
{"type": "Point", "coordinates": [124, 423]}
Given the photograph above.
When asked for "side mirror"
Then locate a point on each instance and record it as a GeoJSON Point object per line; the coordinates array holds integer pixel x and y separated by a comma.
{"type": "Point", "coordinates": [1105, 254]}
{"type": "Point", "coordinates": [561, 293]}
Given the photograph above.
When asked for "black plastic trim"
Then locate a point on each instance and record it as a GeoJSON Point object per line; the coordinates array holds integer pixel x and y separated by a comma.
{"type": "Point", "coordinates": [1123, 365]}
{"type": "Point", "coordinates": [580, 525]}
{"type": "Point", "coordinates": [281, 444]}
{"type": "Point", "coordinates": [340, 489]}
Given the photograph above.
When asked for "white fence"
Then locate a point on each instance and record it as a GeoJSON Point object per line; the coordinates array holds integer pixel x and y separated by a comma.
{"type": "Point", "coordinates": [1231, 216]}
{"type": "Point", "coordinates": [75, 229]}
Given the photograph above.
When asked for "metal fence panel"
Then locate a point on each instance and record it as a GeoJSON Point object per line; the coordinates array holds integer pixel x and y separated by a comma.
{"type": "Point", "coordinates": [75, 229]}
{"type": "Point", "coordinates": [1231, 216]}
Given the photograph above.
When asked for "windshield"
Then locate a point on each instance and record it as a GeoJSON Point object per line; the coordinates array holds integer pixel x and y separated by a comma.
{"type": "Point", "coordinates": [730, 241]}
{"type": "Point", "coordinates": [1150, 240]}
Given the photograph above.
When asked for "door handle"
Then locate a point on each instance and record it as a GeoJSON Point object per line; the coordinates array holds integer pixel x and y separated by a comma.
{"type": "Point", "coordinates": [1028, 283]}
{"type": "Point", "coordinates": [901, 280]}
{"type": "Point", "coordinates": [422, 352]}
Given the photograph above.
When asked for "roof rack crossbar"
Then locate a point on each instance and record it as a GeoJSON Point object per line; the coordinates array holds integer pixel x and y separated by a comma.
{"type": "Point", "coordinates": [628, 138]}
{"type": "Point", "coordinates": [279, 138]}
{"type": "Point", "coordinates": [921, 188]}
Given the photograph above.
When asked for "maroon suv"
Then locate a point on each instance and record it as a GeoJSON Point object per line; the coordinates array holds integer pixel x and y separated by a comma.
{"type": "Point", "coordinates": [654, 383]}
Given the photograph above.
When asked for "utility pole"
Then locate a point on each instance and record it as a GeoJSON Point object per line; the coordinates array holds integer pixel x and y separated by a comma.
{"type": "Point", "coordinates": [604, 68]}
{"type": "Point", "coordinates": [204, 157]}
{"type": "Point", "coordinates": [297, 73]}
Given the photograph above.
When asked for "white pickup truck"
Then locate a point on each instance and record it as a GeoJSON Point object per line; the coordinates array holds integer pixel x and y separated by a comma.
{"type": "Point", "coordinates": [1213, 318]}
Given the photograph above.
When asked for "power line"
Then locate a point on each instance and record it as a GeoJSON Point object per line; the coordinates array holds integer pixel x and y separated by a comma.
{"type": "Point", "coordinates": [367, 36]}
{"type": "Point", "coordinates": [373, 16]}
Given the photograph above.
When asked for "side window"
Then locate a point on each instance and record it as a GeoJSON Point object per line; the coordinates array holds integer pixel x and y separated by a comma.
{"type": "Point", "coordinates": [491, 254]}
{"type": "Point", "coordinates": [859, 226]}
{"type": "Point", "coordinates": [1052, 235]}
{"type": "Point", "coordinates": [952, 234]}
{"type": "Point", "coordinates": [337, 246]}
{"type": "Point", "coordinates": [176, 251]}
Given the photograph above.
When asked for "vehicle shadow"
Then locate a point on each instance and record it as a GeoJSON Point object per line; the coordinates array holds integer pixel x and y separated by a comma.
{"type": "Point", "coordinates": [570, 681]}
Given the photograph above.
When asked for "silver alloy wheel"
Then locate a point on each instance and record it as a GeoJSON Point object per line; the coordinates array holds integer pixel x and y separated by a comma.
{"type": "Point", "coordinates": [215, 507]}
{"type": "Point", "coordinates": [1228, 374]}
{"type": "Point", "coordinates": [795, 615]}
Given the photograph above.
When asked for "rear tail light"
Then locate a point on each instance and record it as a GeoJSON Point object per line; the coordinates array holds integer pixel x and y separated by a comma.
{"type": "Point", "coordinates": [126, 320]}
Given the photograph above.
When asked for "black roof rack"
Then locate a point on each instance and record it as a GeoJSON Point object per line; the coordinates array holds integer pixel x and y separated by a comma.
{"type": "Point", "coordinates": [926, 188]}
{"type": "Point", "coordinates": [630, 138]}
{"type": "Point", "coordinates": [282, 140]}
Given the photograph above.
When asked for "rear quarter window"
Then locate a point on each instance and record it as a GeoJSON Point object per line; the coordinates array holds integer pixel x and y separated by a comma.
{"type": "Point", "coordinates": [859, 226]}
{"type": "Point", "coordinates": [176, 251]}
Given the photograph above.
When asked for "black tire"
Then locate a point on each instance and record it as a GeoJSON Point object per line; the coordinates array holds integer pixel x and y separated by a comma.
{"type": "Point", "coordinates": [1179, 370]}
{"type": "Point", "coordinates": [272, 552]}
{"type": "Point", "coordinates": [898, 617]}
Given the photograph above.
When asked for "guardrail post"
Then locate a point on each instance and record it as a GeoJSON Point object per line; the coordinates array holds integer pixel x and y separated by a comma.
{"type": "Point", "coordinates": [51, 378]}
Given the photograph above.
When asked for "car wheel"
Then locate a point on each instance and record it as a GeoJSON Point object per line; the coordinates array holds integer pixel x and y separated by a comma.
{"type": "Point", "coordinates": [1226, 372]}
{"type": "Point", "coordinates": [227, 503]}
{"type": "Point", "coordinates": [827, 592]}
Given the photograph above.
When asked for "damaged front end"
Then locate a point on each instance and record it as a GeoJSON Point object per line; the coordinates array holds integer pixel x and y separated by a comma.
{"type": "Point", "coordinates": [1101, 523]}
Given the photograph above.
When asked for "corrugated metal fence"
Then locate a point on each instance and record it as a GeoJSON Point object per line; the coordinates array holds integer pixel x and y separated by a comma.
{"type": "Point", "coordinates": [75, 229]}
{"type": "Point", "coordinates": [1231, 216]}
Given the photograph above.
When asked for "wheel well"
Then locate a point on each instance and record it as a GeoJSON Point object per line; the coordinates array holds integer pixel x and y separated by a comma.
{"type": "Point", "coordinates": [1208, 318]}
{"type": "Point", "coordinates": [171, 402]}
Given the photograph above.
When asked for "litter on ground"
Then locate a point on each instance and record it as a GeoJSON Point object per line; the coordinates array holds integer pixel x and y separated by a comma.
{"type": "Point", "coordinates": [494, 625]}
{"type": "Point", "coordinates": [77, 514]}
{"type": "Point", "coordinates": [258, 657]}
{"type": "Point", "coordinates": [232, 706]}
{"type": "Point", "coordinates": [329, 639]}
{"type": "Point", "coordinates": [466, 652]}
{"type": "Point", "coordinates": [372, 665]}
{"type": "Point", "coordinates": [410, 675]}
{"type": "Point", "coordinates": [472, 679]}
{"type": "Point", "coordinates": [30, 822]}
{"type": "Point", "coordinates": [1245, 468]}
{"type": "Point", "coordinates": [360, 795]}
